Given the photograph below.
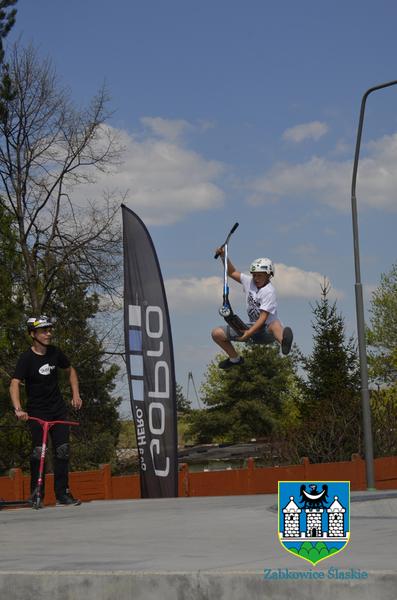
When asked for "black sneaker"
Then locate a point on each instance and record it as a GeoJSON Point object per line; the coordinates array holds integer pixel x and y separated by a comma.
{"type": "Point", "coordinates": [67, 500]}
{"type": "Point", "coordinates": [286, 343]}
{"type": "Point", "coordinates": [228, 364]}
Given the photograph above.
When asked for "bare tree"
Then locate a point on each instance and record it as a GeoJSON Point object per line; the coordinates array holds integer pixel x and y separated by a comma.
{"type": "Point", "coordinates": [48, 150]}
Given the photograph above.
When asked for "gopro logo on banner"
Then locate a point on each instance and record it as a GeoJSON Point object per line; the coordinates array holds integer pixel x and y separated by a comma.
{"type": "Point", "coordinates": [146, 331]}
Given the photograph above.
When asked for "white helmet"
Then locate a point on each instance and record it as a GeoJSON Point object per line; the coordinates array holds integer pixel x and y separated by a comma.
{"type": "Point", "coordinates": [262, 265]}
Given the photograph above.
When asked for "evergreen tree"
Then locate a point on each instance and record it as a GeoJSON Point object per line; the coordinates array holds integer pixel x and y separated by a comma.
{"type": "Point", "coordinates": [12, 328]}
{"type": "Point", "coordinates": [244, 402]}
{"type": "Point", "coordinates": [182, 404]}
{"type": "Point", "coordinates": [14, 439]}
{"type": "Point", "coordinates": [330, 413]}
{"type": "Point", "coordinates": [333, 365]}
{"type": "Point", "coordinates": [7, 21]}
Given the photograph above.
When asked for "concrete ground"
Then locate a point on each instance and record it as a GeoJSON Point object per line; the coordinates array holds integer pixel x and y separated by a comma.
{"type": "Point", "coordinates": [190, 549]}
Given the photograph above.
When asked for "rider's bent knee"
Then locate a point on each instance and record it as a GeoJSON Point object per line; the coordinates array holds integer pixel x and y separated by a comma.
{"type": "Point", "coordinates": [62, 452]}
{"type": "Point", "coordinates": [218, 334]}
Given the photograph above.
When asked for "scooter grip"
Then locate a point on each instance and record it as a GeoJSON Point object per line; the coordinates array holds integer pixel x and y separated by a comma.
{"type": "Point", "coordinates": [233, 229]}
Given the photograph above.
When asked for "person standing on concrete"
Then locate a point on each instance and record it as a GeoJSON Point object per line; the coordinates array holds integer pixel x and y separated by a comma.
{"type": "Point", "coordinates": [37, 368]}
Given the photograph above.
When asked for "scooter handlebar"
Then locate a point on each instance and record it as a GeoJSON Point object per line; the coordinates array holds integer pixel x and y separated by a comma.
{"type": "Point", "coordinates": [42, 421]}
{"type": "Point", "coordinates": [233, 229]}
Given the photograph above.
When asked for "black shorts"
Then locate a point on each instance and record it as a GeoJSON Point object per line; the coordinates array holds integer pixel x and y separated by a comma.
{"type": "Point", "coordinates": [262, 337]}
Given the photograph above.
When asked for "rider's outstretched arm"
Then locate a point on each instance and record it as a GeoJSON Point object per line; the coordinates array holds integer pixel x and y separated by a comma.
{"type": "Point", "coordinates": [232, 271]}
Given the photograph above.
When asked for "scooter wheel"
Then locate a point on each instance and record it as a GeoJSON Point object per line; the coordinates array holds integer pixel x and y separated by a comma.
{"type": "Point", "coordinates": [225, 311]}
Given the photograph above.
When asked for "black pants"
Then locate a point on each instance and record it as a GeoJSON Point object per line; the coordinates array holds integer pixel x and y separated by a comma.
{"type": "Point", "coordinates": [59, 435]}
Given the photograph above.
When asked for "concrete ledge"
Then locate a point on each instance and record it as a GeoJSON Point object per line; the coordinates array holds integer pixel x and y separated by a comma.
{"type": "Point", "coordinates": [123, 585]}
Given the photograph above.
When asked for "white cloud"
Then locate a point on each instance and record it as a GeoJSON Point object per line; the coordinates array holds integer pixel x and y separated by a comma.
{"type": "Point", "coordinates": [318, 178]}
{"type": "Point", "coordinates": [170, 129]}
{"type": "Point", "coordinates": [314, 131]}
{"type": "Point", "coordinates": [162, 180]}
{"type": "Point", "coordinates": [292, 282]}
{"type": "Point", "coordinates": [174, 129]}
{"type": "Point", "coordinates": [189, 294]}
{"type": "Point", "coordinates": [329, 182]}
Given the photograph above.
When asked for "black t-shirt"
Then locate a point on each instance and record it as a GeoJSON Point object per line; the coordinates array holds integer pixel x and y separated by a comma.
{"type": "Point", "coordinates": [39, 372]}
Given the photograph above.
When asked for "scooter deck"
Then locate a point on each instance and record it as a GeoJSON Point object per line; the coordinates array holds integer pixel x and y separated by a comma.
{"type": "Point", "coordinates": [236, 323]}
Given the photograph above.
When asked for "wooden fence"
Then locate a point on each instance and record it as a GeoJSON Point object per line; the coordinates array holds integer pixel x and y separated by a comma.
{"type": "Point", "coordinates": [101, 485]}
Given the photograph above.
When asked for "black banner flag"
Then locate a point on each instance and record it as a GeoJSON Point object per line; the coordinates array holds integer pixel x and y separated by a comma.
{"type": "Point", "coordinates": [150, 361]}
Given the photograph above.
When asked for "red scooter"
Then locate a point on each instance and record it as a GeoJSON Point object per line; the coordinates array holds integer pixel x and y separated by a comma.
{"type": "Point", "coordinates": [46, 425]}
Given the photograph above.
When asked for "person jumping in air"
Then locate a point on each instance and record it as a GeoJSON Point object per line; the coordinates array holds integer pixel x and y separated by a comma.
{"type": "Point", "coordinates": [264, 326]}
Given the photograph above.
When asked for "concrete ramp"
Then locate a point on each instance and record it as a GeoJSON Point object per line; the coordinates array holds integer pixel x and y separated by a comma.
{"type": "Point", "coordinates": [190, 549]}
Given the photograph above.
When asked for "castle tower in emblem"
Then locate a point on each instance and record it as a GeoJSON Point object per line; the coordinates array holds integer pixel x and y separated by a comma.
{"type": "Point", "coordinates": [336, 519]}
{"type": "Point", "coordinates": [291, 519]}
{"type": "Point", "coordinates": [314, 518]}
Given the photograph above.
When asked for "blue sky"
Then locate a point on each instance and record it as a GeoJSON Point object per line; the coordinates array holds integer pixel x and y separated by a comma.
{"type": "Point", "coordinates": [240, 111]}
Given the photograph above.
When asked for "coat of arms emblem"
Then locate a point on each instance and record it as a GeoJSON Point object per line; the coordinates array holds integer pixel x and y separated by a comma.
{"type": "Point", "coordinates": [314, 518]}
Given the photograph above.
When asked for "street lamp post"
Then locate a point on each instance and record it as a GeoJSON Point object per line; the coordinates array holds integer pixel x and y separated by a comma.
{"type": "Point", "coordinates": [368, 444]}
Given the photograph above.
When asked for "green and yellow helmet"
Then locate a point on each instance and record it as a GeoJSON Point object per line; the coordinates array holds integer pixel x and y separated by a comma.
{"type": "Point", "coordinates": [39, 322]}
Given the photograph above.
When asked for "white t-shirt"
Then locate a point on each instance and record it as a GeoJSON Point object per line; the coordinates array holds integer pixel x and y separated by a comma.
{"type": "Point", "coordinates": [259, 299]}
